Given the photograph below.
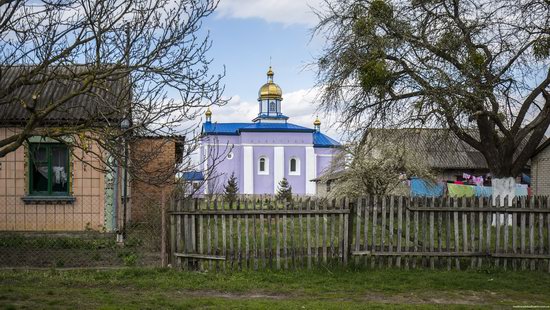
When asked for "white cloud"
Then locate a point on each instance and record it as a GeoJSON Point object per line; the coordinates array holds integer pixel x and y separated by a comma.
{"type": "Point", "coordinates": [299, 105]}
{"type": "Point", "coordinates": [287, 12]}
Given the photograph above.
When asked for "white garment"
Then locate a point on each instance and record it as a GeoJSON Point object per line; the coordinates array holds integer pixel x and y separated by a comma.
{"type": "Point", "coordinates": [60, 175]}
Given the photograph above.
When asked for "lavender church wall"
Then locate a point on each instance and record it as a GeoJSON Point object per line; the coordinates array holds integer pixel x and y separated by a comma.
{"type": "Point", "coordinates": [263, 183]}
{"type": "Point", "coordinates": [263, 143]}
{"type": "Point", "coordinates": [276, 138]}
{"type": "Point", "coordinates": [296, 181]}
{"type": "Point", "coordinates": [324, 159]}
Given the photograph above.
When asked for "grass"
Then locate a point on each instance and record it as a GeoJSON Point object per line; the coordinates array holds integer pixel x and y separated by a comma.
{"type": "Point", "coordinates": [337, 289]}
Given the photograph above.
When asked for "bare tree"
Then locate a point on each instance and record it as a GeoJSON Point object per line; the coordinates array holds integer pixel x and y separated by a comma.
{"type": "Point", "coordinates": [460, 64]}
{"type": "Point", "coordinates": [78, 67]}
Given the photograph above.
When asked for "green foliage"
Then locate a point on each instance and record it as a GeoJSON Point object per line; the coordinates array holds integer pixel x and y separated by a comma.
{"type": "Point", "coordinates": [380, 10]}
{"type": "Point", "coordinates": [284, 192]}
{"type": "Point", "coordinates": [230, 190]}
{"type": "Point", "coordinates": [374, 74]}
{"type": "Point", "coordinates": [541, 47]}
{"type": "Point", "coordinates": [129, 258]}
{"type": "Point", "coordinates": [476, 60]}
{"type": "Point", "coordinates": [450, 41]}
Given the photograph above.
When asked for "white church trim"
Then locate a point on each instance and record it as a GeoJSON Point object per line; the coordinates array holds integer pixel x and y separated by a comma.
{"type": "Point", "coordinates": [278, 166]}
{"type": "Point", "coordinates": [248, 170]}
{"type": "Point", "coordinates": [206, 158]}
{"type": "Point", "coordinates": [311, 173]}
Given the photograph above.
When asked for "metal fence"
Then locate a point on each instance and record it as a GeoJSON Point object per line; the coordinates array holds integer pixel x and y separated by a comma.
{"type": "Point", "coordinates": [68, 236]}
{"type": "Point", "coordinates": [376, 231]}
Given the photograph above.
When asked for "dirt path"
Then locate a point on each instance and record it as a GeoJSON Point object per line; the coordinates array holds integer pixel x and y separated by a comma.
{"type": "Point", "coordinates": [441, 298]}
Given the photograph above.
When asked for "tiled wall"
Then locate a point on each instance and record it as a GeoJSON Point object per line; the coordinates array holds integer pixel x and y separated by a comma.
{"type": "Point", "coordinates": [540, 173]}
{"type": "Point", "coordinates": [87, 211]}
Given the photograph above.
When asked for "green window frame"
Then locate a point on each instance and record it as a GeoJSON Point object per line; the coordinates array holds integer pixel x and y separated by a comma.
{"type": "Point", "coordinates": [41, 154]}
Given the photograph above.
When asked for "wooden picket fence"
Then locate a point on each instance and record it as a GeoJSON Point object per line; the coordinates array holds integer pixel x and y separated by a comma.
{"type": "Point", "coordinates": [374, 231]}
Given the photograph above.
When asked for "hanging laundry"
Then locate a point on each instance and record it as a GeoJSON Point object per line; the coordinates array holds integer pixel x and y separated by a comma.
{"type": "Point", "coordinates": [483, 191]}
{"type": "Point", "coordinates": [420, 187]}
{"type": "Point", "coordinates": [525, 178]}
{"type": "Point", "coordinates": [477, 180]}
{"type": "Point", "coordinates": [522, 190]}
{"type": "Point", "coordinates": [459, 190]}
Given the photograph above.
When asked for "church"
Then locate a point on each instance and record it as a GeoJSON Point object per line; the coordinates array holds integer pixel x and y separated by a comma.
{"type": "Point", "coordinates": [263, 152]}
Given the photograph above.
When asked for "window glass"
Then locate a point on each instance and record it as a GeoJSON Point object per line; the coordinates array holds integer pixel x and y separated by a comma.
{"type": "Point", "coordinates": [40, 169]}
{"type": "Point", "coordinates": [59, 169]}
{"type": "Point", "coordinates": [272, 106]}
{"type": "Point", "coordinates": [293, 165]}
{"type": "Point", "coordinates": [262, 164]}
{"type": "Point", "coordinates": [49, 169]}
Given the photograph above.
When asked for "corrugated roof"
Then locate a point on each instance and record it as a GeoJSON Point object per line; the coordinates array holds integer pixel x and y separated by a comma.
{"type": "Point", "coordinates": [322, 140]}
{"type": "Point", "coordinates": [441, 148]}
{"type": "Point", "coordinates": [236, 128]}
{"type": "Point", "coordinates": [222, 128]}
{"type": "Point", "coordinates": [105, 101]}
{"type": "Point", "coordinates": [193, 176]}
{"type": "Point", "coordinates": [319, 139]}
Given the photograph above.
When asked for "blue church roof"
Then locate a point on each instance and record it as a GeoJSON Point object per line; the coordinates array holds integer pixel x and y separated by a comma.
{"type": "Point", "coordinates": [322, 140]}
{"type": "Point", "coordinates": [319, 139]}
{"type": "Point", "coordinates": [193, 176]}
{"type": "Point", "coordinates": [236, 128]}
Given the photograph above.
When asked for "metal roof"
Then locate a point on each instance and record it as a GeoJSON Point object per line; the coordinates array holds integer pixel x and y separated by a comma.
{"type": "Point", "coordinates": [319, 139]}
{"type": "Point", "coordinates": [193, 176]}
{"type": "Point", "coordinates": [322, 140]}
{"type": "Point", "coordinates": [105, 101]}
{"type": "Point", "coordinates": [237, 128]}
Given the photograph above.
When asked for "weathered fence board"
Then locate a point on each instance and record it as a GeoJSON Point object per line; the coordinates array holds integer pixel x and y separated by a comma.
{"type": "Point", "coordinates": [376, 231]}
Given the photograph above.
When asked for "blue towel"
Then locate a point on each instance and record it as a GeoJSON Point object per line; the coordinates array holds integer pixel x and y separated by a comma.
{"type": "Point", "coordinates": [484, 191]}
{"type": "Point", "coordinates": [421, 187]}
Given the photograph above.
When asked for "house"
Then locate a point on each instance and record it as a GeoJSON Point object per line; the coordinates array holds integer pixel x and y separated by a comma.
{"type": "Point", "coordinates": [47, 184]}
{"type": "Point", "coordinates": [265, 151]}
{"type": "Point", "coordinates": [451, 159]}
{"type": "Point", "coordinates": [540, 170]}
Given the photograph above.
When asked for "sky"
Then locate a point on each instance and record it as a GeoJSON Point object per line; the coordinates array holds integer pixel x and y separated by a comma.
{"type": "Point", "coordinates": [247, 35]}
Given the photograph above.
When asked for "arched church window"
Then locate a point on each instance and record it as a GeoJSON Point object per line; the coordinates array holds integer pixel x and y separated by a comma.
{"type": "Point", "coordinates": [294, 166]}
{"type": "Point", "coordinates": [263, 165]}
{"type": "Point", "coordinates": [272, 106]}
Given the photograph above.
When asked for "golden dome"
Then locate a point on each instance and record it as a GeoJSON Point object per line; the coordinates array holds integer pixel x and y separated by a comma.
{"type": "Point", "coordinates": [270, 90]}
{"type": "Point", "coordinates": [208, 112]}
{"type": "Point", "coordinates": [317, 122]}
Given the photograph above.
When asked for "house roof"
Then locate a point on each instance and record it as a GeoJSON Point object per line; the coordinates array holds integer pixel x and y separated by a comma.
{"type": "Point", "coordinates": [104, 101]}
{"type": "Point", "coordinates": [441, 148]}
{"type": "Point", "coordinates": [193, 176]}
{"type": "Point", "coordinates": [235, 129]}
{"type": "Point", "coordinates": [322, 140]}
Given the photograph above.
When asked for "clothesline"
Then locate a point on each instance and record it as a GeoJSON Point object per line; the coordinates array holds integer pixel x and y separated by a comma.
{"type": "Point", "coordinates": [420, 187]}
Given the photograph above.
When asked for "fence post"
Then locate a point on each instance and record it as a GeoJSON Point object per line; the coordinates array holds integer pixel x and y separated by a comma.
{"type": "Point", "coordinates": [172, 234]}
{"type": "Point", "coordinates": [351, 207]}
{"type": "Point", "coordinates": [162, 231]}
